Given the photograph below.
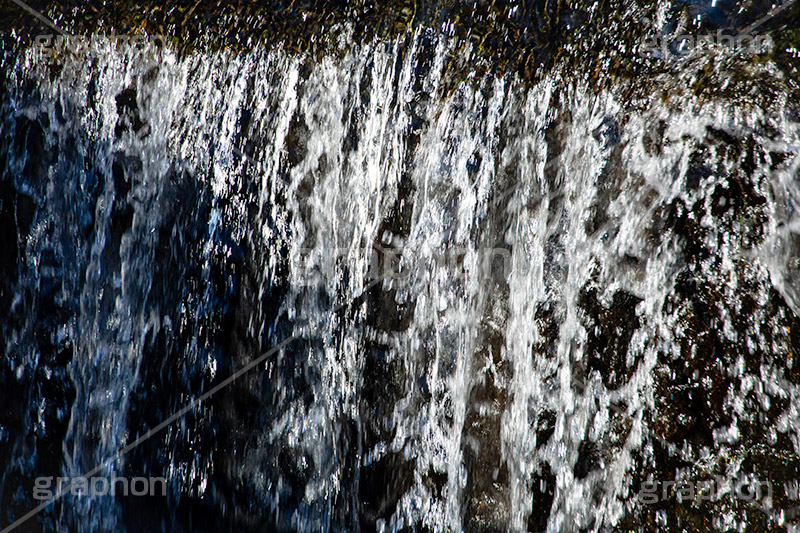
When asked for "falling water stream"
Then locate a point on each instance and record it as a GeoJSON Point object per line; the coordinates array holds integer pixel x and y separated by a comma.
{"type": "Point", "coordinates": [479, 306]}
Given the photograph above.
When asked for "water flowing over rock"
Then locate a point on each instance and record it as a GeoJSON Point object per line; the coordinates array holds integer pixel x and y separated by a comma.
{"type": "Point", "coordinates": [459, 288]}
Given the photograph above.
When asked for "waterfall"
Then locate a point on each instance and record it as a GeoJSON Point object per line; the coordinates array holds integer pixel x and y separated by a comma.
{"type": "Point", "coordinates": [474, 304]}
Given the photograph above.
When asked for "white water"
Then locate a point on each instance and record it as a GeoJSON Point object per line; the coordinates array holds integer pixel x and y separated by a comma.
{"type": "Point", "coordinates": [486, 185]}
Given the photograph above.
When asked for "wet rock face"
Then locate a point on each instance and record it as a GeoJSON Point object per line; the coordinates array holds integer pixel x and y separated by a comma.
{"type": "Point", "coordinates": [603, 41]}
{"type": "Point", "coordinates": [36, 401]}
{"type": "Point", "coordinates": [609, 333]}
{"type": "Point", "coordinates": [701, 381]}
{"type": "Point", "coordinates": [598, 290]}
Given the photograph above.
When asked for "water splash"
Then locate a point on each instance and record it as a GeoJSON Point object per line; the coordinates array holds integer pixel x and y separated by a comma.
{"type": "Point", "coordinates": [494, 291]}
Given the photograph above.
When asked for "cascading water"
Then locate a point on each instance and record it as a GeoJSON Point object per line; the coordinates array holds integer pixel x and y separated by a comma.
{"type": "Point", "coordinates": [484, 305]}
